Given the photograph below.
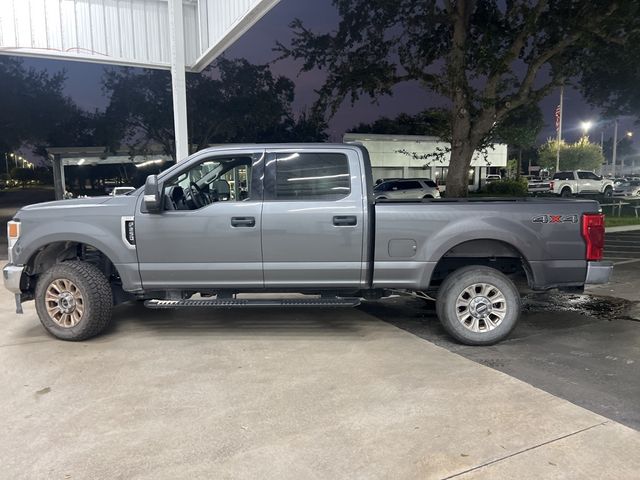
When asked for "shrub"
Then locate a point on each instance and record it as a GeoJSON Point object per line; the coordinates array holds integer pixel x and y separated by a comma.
{"type": "Point", "coordinates": [508, 186]}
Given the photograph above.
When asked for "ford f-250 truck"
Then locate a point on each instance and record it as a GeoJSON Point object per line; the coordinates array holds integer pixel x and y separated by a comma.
{"type": "Point", "coordinates": [295, 218]}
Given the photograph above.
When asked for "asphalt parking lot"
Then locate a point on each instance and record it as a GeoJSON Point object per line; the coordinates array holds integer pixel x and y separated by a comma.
{"type": "Point", "coordinates": [620, 246]}
{"type": "Point", "coordinates": [583, 349]}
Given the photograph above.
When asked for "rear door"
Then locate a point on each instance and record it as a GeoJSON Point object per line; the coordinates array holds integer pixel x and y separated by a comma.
{"type": "Point", "coordinates": [313, 218]}
{"type": "Point", "coordinates": [409, 189]}
{"type": "Point", "coordinates": [585, 182]}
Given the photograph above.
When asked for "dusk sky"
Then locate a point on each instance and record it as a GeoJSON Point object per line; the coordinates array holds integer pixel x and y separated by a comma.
{"type": "Point", "coordinates": [83, 83]}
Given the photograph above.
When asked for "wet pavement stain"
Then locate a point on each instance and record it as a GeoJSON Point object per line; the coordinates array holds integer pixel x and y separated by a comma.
{"type": "Point", "coordinates": [607, 308]}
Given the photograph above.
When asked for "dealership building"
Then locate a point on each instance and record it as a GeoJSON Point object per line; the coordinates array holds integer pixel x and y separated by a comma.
{"type": "Point", "coordinates": [410, 156]}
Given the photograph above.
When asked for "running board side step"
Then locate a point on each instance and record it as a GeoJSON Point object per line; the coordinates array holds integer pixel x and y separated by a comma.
{"type": "Point", "coordinates": [244, 303]}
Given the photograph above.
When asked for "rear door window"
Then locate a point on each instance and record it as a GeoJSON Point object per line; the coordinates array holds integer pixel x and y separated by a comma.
{"type": "Point", "coordinates": [312, 176]}
{"type": "Point", "coordinates": [408, 185]}
{"type": "Point", "coordinates": [563, 176]}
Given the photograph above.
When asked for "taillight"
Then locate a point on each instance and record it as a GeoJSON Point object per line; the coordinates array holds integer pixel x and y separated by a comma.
{"type": "Point", "coordinates": [550, 185]}
{"type": "Point", "coordinates": [593, 234]}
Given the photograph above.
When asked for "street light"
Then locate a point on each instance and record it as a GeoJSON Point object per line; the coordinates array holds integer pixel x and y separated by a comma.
{"type": "Point", "coordinates": [586, 126]}
{"type": "Point", "coordinates": [629, 134]}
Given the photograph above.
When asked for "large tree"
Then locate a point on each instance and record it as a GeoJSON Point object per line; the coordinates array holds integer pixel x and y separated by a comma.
{"type": "Point", "coordinates": [32, 104]}
{"type": "Point", "coordinates": [233, 101]}
{"type": "Point", "coordinates": [486, 57]}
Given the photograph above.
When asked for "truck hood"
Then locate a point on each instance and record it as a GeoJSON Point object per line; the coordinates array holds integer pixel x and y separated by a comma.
{"type": "Point", "coordinates": [85, 207]}
{"type": "Point", "coordinates": [71, 203]}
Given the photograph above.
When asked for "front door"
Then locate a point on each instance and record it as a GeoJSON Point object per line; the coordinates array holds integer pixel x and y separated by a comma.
{"type": "Point", "coordinates": [209, 232]}
{"type": "Point", "coordinates": [312, 220]}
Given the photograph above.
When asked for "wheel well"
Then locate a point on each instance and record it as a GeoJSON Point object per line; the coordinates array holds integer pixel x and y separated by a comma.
{"type": "Point", "coordinates": [58, 252]}
{"type": "Point", "coordinates": [566, 187]}
{"type": "Point", "coordinates": [491, 253]}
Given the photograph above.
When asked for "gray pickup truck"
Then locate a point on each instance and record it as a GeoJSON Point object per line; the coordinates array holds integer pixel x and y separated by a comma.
{"type": "Point", "coordinates": [300, 219]}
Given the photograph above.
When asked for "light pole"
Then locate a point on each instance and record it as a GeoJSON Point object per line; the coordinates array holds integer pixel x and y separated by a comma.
{"type": "Point", "coordinates": [586, 126]}
{"type": "Point", "coordinates": [615, 146]}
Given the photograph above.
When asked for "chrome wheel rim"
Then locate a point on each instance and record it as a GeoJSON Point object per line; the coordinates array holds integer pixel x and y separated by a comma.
{"type": "Point", "coordinates": [64, 302]}
{"type": "Point", "coordinates": [481, 307]}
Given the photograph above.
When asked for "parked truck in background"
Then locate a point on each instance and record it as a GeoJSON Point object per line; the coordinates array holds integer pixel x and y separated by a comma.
{"type": "Point", "coordinates": [295, 218]}
{"type": "Point", "coordinates": [579, 182]}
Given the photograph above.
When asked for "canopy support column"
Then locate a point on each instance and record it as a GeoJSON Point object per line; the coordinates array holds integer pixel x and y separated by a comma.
{"type": "Point", "coordinates": [178, 80]}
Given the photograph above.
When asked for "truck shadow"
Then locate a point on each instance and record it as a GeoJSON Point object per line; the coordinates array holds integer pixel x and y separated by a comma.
{"type": "Point", "coordinates": [271, 322]}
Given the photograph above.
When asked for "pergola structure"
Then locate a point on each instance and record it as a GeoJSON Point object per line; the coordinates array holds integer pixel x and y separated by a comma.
{"type": "Point", "coordinates": [179, 35]}
{"type": "Point", "coordinates": [94, 156]}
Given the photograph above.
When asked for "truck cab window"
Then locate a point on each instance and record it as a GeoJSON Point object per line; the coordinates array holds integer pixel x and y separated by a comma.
{"type": "Point", "coordinates": [210, 181]}
{"type": "Point", "coordinates": [312, 176]}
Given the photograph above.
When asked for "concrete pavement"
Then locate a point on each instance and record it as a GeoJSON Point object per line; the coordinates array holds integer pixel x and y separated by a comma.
{"type": "Point", "coordinates": [280, 394]}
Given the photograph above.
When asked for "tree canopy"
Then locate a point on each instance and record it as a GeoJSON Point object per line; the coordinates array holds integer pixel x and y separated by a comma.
{"type": "Point", "coordinates": [581, 155]}
{"type": "Point", "coordinates": [233, 101]}
{"type": "Point", "coordinates": [434, 122]}
{"type": "Point", "coordinates": [486, 57]}
{"type": "Point", "coordinates": [34, 108]}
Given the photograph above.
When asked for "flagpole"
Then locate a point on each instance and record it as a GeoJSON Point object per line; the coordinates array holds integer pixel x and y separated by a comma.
{"type": "Point", "coordinates": [559, 129]}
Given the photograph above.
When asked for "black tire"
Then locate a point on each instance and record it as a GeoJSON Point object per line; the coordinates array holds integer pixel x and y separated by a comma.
{"type": "Point", "coordinates": [95, 294]}
{"type": "Point", "coordinates": [608, 192]}
{"type": "Point", "coordinates": [566, 192]}
{"type": "Point", "coordinates": [427, 196]}
{"type": "Point", "coordinates": [454, 287]}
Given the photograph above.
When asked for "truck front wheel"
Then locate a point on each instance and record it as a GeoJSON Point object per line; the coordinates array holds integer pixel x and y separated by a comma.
{"type": "Point", "coordinates": [74, 300]}
{"type": "Point", "coordinates": [478, 305]}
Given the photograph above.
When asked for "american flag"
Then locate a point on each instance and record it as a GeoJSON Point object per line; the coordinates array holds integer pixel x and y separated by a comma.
{"type": "Point", "coordinates": [557, 118]}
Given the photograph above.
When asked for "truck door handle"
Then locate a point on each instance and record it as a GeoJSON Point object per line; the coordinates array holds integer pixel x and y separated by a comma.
{"type": "Point", "coordinates": [345, 220]}
{"type": "Point", "coordinates": [243, 221]}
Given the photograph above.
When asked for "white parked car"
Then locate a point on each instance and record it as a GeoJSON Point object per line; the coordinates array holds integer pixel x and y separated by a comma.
{"type": "Point", "coordinates": [629, 188]}
{"type": "Point", "coordinates": [406, 188]}
{"type": "Point", "coordinates": [121, 190]}
{"type": "Point", "coordinates": [537, 184]}
{"type": "Point", "coordinates": [492, 177]}
{"type": "Point", "coordinates": [580, 182]}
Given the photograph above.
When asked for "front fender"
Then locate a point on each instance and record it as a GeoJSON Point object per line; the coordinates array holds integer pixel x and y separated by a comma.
{"type": "Point", "coordinates": [103, 233]}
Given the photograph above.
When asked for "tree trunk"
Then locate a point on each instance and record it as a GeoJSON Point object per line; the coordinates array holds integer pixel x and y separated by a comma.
{"type": "Point", "coordinates": [519, 168]}
{"type": "Point", "coordinates": [458, 174]}
{"type": "Point", "coordinates": [461, 151]}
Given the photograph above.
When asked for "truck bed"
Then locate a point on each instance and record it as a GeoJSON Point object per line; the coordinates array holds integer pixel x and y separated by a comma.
{"type": "Point", "coordinates": [412, 235]}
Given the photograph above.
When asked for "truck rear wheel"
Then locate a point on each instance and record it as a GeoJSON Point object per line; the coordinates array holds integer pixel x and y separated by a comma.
{"type": "Point", "coordinates": [478, 305]}
{"type": "Point", "coordinates": [74, 300]}
{"type": "Point", "coordinates": [566, 192]}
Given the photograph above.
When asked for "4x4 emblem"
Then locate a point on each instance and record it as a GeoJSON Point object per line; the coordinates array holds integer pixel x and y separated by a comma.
{"type": "Point", "coordinates": [555, 219]}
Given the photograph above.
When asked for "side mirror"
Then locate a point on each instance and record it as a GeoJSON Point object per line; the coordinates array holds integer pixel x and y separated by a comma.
{"type": "Point", "coordinates": [152, 195]}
